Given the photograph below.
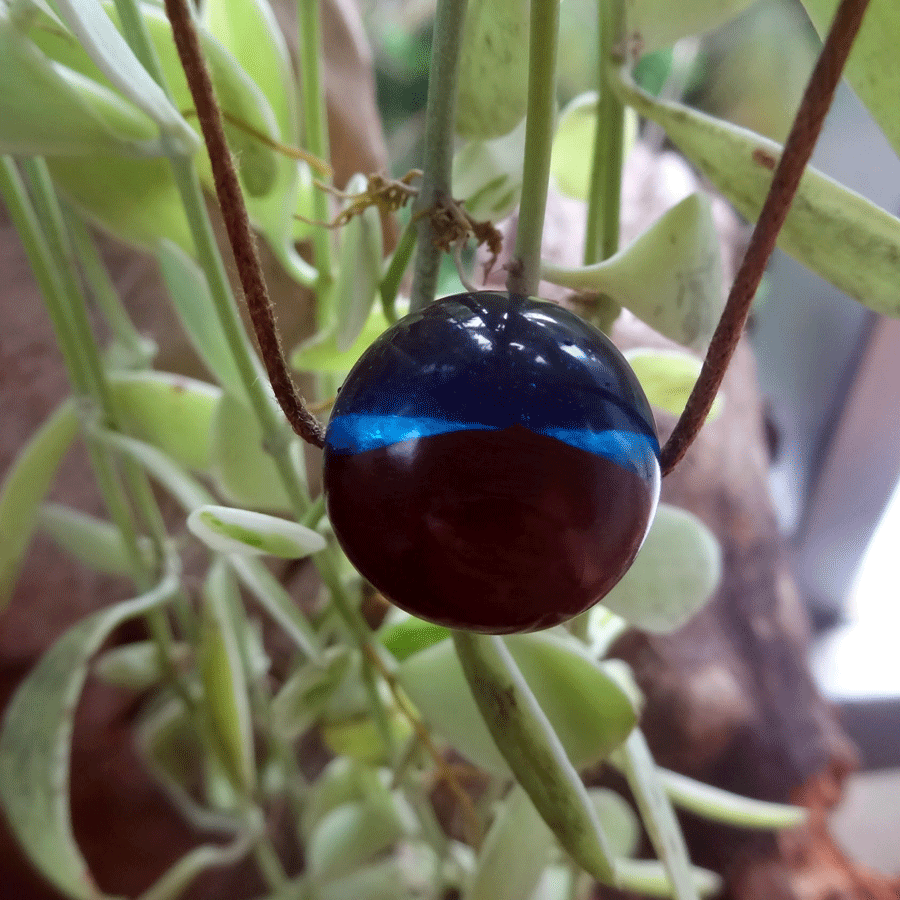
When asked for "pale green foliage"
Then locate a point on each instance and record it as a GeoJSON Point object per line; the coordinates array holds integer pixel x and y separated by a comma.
{"type": "Point", "coordinates": [493, 71]}
{"type": "Point", "coordinates": [670, 276]}
{"type": "Point", "coordinates": [220, 729]}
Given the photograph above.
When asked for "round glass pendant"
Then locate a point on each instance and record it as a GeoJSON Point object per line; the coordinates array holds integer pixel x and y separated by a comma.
{"type": "Point", "coordinates": [492, 464]}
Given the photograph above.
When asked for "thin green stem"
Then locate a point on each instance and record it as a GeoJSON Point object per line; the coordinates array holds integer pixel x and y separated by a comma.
{"type": "Point", "coordinates": [45, 239]}
{"type": "Point", "coordinates": [604, 198]}
{"type": "Point", "coordinates": [315, 137]}
{"type": "Point", "coordinates": [438, 153]}
{"type": "Point", "coordinates": [524, 273]}
{"type": "Point", "coordinates": [390, 283]}
{"type": "Point", "coordinates": [140, 350]}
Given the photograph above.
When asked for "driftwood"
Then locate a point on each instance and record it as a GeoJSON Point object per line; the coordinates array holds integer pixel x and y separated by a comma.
{"type": "Point", "coordinates": [729, 698]}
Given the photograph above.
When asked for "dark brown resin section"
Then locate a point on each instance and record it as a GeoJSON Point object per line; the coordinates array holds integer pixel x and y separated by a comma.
{"type": "Point", "coordinates": [493, 531]}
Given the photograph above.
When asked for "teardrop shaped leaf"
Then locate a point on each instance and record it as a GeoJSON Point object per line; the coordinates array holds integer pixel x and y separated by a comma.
{"type": "Point", "coordinates": [514, 854]}
{"type": "Point", "coordinates": [303, 697]}
{"type": "Point", "coordinates": [407, 635]}
{"type": "Point", "coordinates": [170, 411]}
{"type": "Point", "coordinates": [668, 377]}
{"type": "Point", "coordinates": [229, 530]}
{"type": "Point", "coordinates": [321, 354]}
{"type": "Point", "coordinates": [836, 233]}
{"type": "Point", "coordinates": [36, 739]}
{"type": "Point", "coordinates": [246, 474]}
{"type": "Point", "coordinates": [349, 836]}
{"type": "Point", "coordinates": [25, 486]}
{"type": "Point", "coordinates": [670, 276]}
{"type": "Point", "coordinates": [250, 32]}
{"type": "Point", "coordinates": [587, 708]}
{"type": "Point", "coordinates": [225, 681]}
{"type": "Point", "coordinates": [48, 109]}
{"type": "Point", "coordinates": [493, 68]}
{"type": "Point", "coordinates": [136, 199]}
{"type": "Point", "coordinates": [137, 666]}
{"type": "Point", "coordinates": [194, 306]}
{"type": "Point", "coordinates": [573, 144]}
{"type": "Point", "coordinates": [359, 270]}
{"type": "Point", "coordinates": [654, 24]}
{"type": "Point", "coordinates": [487, 175]}
{"type": "Point", "coordinates": [674, 574]}
{"type": "Point", "coordinates": [94, 542]}
{"type": "Point", "coordinates": [872, 67]}
{"type": "Point", "coordinates": [531, 747]}
{"type": "Point", "coordinates": [111, 54]}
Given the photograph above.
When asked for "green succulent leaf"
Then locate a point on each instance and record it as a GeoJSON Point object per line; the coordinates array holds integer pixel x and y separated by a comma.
{"type": "Point", "coordinates": [136, 199]}
{"type": "Point", "coordinates": [836, 233]}
{"type": "Point", "coordinates": [405, 635]}
{"type": "Point", "coordinates": [304, 696]}
{"type": "Point", "coordinates": [655, 24]}
{"type": "Point", "coordinates": [872, 67]}
{"type": "Point", "coordinates": [229, 530]}
{"type": "Point", "coordinates": [528, 742]}
{"type": "Point", "coordinates": [110, 52]}
{"type": "Point", "coordinates": [670, 276]}
{"type": "Point", "coordinates": [487, 175]}
{"type": "Point", "coordinates": [585, 705]}
{"type": "Point", "coordinates": [25, 486]}
{"type": "Point", "coordinates": [224, 679]}
{"type": "Point", "coordinates": [649, 877]}
{"type": "Point", "coordinates": [172, 412]}
{"type": "Point", "coordinates": [194, 306]}
{"type": "Point", "coordinates": [676, 571]}
{"type": "Point", "coordinates": [137, 666]}
{"type": "Point", "coordinates": [514, 854]}
{"type": "Point", "coordinates": [250, 32]}
{"type": "Point", "coordinates": [277, 602]}
{"type": "Point", "coordinates": [353, 834]}
{"type": "Point", "coordinates": [36, 739]}
{"type": "Point", "coordinates": [573, 144]}
{"type": "Point", "coordinates": [723, 806]}
{"type": "Point", "coordinates": [175, 755]}
{"type": "Point", "coordinates": [668, 377]}
{"type": "Point", "coordinates": [342, 781]}
{"type": "Point", "coordinates": [635, 761]}
{"type": "Point", "coordinates": [321, 354]}
{"type": "Point", "coordinates": [94, 542]}
{"type": "Point", "coordinates": [245, 472]}
{"type": "Point", "coordinates": [48, 109]}
{"type": "Point", "coordinates": [493, 68]}
{"type": "Point", "coordinates": [359, 270]}
{"type": "Point", "coordinates": [409, 874]}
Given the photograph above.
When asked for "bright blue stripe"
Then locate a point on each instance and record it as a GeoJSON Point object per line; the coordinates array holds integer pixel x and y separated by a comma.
{"type": "Point", "coordinates": [630, 449]}
{"type": "Point", "coordinates": [358, 432]}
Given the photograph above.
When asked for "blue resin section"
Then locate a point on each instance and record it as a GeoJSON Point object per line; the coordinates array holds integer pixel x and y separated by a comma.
{"type": "Point", "coordinates": [356, 433]}
{"type": "Point", "coordinates": [492, 361]}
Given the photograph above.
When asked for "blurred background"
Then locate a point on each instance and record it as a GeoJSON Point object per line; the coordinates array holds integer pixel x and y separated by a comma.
{"type": "Point", "coordinates": [829, 368]}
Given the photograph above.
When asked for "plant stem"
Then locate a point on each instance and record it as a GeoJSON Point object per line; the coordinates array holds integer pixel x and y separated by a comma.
{"type": "Point", "coordinates": [50, 254]}
{"type": "Point", "coordinates": [390, 283]}
{"type": "Point", "coordinates": [315, 137]}
{"type": "Point", "coordinates": [438, 153]}
{"type": "Point", "coordinates": [797, 151]}
{"type": "Point", "coordinates": [243, 244]}
{"type": "Point", "coordinates": [601, 238]}
{"type": "Point", "coordinates": [524, 273]}
{"type": "Point", "coordinates": [140, 350]}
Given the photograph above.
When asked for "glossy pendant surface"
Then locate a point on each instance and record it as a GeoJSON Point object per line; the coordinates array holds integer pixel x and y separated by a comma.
{"type": "Point", "coordinates": [492, 464]}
